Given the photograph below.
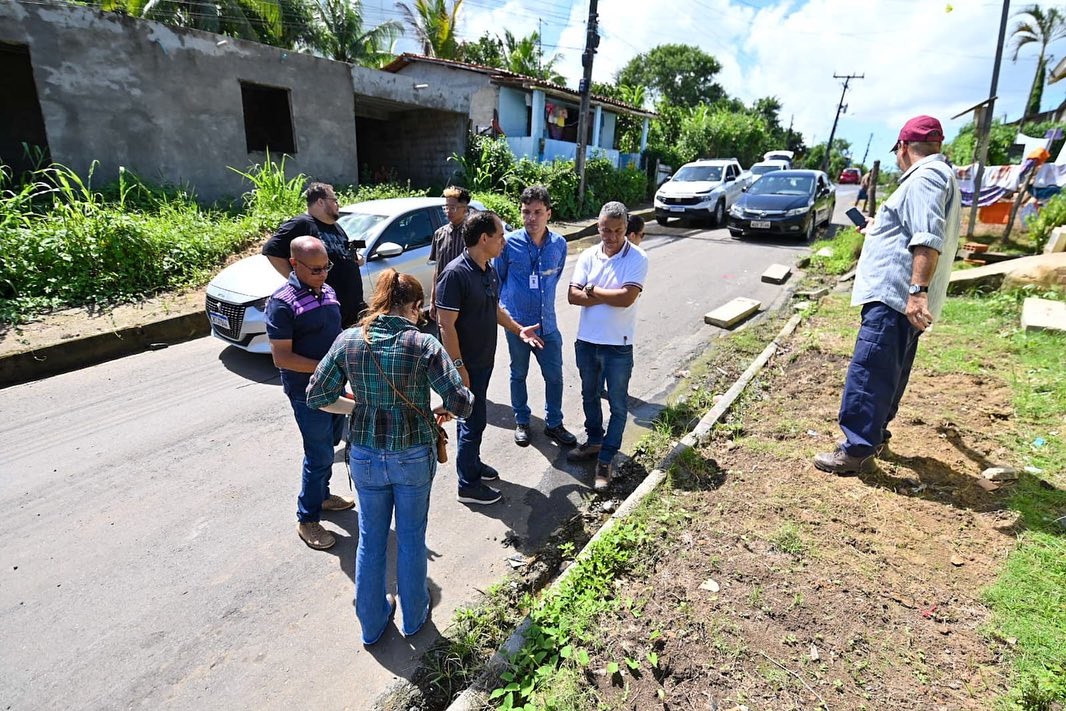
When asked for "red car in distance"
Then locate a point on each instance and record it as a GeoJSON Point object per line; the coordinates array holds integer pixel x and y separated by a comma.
{"type": "Point", "coordinates": [850, 176]}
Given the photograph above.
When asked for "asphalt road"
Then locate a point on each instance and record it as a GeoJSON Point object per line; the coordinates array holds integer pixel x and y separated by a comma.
{"type": "Point", "coordinates": [150, 557]}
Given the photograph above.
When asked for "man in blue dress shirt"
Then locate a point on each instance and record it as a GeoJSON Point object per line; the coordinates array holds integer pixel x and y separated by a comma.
{"type": "Point", "coordinates": [529, 269]}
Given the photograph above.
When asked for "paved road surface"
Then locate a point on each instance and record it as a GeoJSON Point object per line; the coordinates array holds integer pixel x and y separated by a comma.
{"type": "Point", "coordinates": [150, 557]}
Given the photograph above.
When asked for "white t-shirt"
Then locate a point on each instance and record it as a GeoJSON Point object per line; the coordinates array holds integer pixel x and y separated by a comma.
{"type": "Point", "coordinates": [603, 324]}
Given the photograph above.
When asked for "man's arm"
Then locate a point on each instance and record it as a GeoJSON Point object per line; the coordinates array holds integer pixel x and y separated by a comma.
{"type": "Point", "coordinates": [281, 265]}
{"type": "Point", "coordinates": [285, 358]}
{"type": "Point", "coordinates": [922, 270]}
{"type": "Point", "coordinates": [449, 337]}
{"type": "Point", "coordinates": [598, 295]}
{"type": "Point", "coordinates": [526, 333]}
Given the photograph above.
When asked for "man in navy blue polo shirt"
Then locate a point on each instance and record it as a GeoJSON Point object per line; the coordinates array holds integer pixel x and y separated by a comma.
{"type": "Point", "coordinates": [529, 267]}
{"type": "Point", "coordinates": [303, 320]}
{"type": "Point", "coordinates": [468, 309]}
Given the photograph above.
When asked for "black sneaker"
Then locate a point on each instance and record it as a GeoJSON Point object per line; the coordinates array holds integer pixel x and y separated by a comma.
{"type": "Point", "coordinates": [521, 435]}
{"type": "Point", "coordinates": [489, 474]}
{"type": "Point", "coordinates": [479, 494]}
{"type": "Point", "coordinates": [583, 453]}
{"type": "Point", "coordinates": [560, 435]}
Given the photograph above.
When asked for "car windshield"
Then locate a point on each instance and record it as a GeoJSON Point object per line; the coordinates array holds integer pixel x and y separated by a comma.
{"type": "Point", "coordinates": [698, 173]}
{"type": "Point", "coordinates": [782, 185]}
{"type": "Point", "coordinates": [763, 169]}
{"type": "Point", "coordinates": [357, 225]}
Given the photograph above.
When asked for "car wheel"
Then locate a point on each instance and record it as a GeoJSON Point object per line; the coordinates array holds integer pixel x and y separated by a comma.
{"type": "Point", "coordinates": [719, 213]}
{"type": "Point", "coordinates": [808, 236]}
{"type": "Point", "coordinates": [661, 221]}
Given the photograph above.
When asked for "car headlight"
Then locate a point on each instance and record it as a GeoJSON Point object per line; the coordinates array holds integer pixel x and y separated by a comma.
{"type": "Point", "coordinates": [736, 210]}
{"type": "Point", "coordinates": [797, 211]}
{"type": "Point", "coordinates": [260, 304]}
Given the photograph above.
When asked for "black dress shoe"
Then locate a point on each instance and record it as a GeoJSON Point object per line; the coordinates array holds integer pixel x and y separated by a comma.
{"type": "Point", "coordinates": [561, 435]}
{"type": "Point", "coordinates": [521, 435]}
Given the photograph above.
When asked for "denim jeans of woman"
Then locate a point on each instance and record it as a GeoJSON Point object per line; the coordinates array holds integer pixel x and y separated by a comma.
{"type": "Point", "coordinates": [388, 481]}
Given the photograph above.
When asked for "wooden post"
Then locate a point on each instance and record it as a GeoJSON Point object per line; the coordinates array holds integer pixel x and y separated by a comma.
{"type": "Point", "coordinates": [871, 192]}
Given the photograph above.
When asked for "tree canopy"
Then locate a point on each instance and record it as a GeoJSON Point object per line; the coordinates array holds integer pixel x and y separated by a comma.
{"type": "Point", "coordinates": [681, 74]}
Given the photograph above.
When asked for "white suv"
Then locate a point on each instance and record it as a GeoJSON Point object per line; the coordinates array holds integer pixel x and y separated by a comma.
{"type": "Point", "coordinates": [703, 189]}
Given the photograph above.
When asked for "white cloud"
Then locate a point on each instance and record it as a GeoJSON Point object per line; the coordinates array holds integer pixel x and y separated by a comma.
{"type": "Point", "coordinates": [916, 56]}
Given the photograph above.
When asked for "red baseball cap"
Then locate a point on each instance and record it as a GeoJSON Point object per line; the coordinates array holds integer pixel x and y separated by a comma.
{"type": "Point", "coordinates": [920, 128]}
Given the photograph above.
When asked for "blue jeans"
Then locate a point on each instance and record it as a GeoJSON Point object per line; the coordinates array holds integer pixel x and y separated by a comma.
{"type": "Point", "coordinates": [320, 432]}
{"type": "Point", "coordinates": [468, 462]}
{"type": "Point", "coordinates": [385, 481]}
{"type": "Point", "coordinates": [550, 358]}
{"type": "Point", "coordinates": [596, 363]}
{"type": "Point", "coordinates": [877, 377]}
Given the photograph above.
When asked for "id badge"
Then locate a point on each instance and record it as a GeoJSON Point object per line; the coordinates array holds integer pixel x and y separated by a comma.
{"type": "Point", "coordinates": [534, 281]}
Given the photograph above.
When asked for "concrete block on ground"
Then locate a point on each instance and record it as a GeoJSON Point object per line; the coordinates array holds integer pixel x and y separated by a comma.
{"type": "Point", "coordinates": [728, 315]}
{"type": "Point", "coordinates": [777, 274]}
{"type": "Point", "coordinates": [824, 252]}
{"type": "Point", "coordinates": [993, 275]}
{"type": "Point", "coordinates": [813, 294]}
{"type": "Point", "coordinates": [1056, 241]}
{"type": "Point", "coordinates": [1043, 315]}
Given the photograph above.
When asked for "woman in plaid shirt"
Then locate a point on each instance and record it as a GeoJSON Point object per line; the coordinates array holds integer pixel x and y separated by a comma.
{"type": "Point", "coordinates": [393, 445]}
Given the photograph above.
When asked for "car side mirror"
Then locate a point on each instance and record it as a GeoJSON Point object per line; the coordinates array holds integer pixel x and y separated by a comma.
{"type": "Point", "coordinates": [744, 189]}
{"type": "Point", "coordinates": [388, 249]}
{"type": "Point", "coordinates": [730, 178]}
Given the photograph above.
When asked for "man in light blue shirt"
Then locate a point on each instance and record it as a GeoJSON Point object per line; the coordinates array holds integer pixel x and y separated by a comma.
{"type": "Point", "coordinates": [529, 269]}
{"type": "Point", "coordinates": [901, 283]}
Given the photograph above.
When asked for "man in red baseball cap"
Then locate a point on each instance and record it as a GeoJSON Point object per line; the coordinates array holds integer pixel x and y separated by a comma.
{"type": "Point", "coordinates": [901, 283]}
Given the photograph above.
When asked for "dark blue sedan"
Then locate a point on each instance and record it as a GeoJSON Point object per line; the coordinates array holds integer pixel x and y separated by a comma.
{"type": "Point", "coordinates": [792, 203]}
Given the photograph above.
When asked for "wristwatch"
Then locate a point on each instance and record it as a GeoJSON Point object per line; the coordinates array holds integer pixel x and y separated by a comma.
{"type": "Point", "coordinates": [916, 289]}
{"type": "Point", "coordinates": [458, 363]}
{"type": "Point", "coordinates": [589, 287]}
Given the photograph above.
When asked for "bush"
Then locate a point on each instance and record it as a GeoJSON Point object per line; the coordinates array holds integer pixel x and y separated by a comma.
{"type": "Point", "coordinates": [1052, 215]}
{"type": "Point", "coordinates": [503, 205]}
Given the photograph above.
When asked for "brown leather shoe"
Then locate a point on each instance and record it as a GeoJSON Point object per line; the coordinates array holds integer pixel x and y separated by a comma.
{"type": "Point", "coordinates": [603, 476]}
{"type": "Point", "coordinates": [337, 503]}
{"type": "Point", "coordinates": [312, 533]}
{"type": "Point", "coordinates": [840, 462]}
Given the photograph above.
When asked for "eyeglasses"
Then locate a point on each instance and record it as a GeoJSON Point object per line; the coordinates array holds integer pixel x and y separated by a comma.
{"type": "Point", "coordinates": [490, 289]}
{"type": "Point", "coordinates": [454, 208]}
{"type": "Point", "coordinates": [315, 270]}
{"type": "Point", "coordinates": [898, 146]}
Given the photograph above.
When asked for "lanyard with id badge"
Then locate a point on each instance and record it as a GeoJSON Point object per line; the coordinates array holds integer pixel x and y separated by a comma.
{"type": "Point", "coordinates": [534, 269]}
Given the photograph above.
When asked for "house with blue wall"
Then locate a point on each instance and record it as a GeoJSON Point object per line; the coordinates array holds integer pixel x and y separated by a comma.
{"type": "Point", "coordinates": [538, 118]}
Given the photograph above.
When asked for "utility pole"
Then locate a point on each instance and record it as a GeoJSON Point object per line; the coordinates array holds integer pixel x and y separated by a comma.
{"type": "Point", "coordinates": [986, 120]}
{"type": "Point", "coordinates": [829, 144]}
{"type": "Point", "coordinates": [540, 42]}
{"type": "Point", "coordinates": [867, 151]}
{"type": "Point", "coordinates": [592, 40]}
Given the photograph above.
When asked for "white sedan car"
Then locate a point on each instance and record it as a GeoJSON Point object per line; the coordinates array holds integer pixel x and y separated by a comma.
{"type": "Point", "coordinates": [398, 233]}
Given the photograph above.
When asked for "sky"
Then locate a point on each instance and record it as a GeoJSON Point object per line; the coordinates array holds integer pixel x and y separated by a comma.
{"type": "Point", "coordinates": [916, 56]}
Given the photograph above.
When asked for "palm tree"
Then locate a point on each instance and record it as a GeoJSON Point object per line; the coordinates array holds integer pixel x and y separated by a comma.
{"type": "Point", "coordinates": [257, 20]}
{"type": "Point", "coordinates": [1041, 28]}
{"type": "Point", "coordinates": [345, 40]}
{"type": "Point", "coordinates": [434, 26]}
{"type": "Point", "coordinates": [523, 56]}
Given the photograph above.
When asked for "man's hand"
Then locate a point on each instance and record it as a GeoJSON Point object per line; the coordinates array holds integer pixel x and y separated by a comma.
{"type": "Point", "coordinates": [918, 311]}
{"type": "Point", "coordinates": [442, 415]}
{"type": "Point", "coordinates": [528, 335]}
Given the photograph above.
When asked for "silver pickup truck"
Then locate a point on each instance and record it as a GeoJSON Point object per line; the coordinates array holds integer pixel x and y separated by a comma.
{"type": "Point", "coordinates": [701, 190]}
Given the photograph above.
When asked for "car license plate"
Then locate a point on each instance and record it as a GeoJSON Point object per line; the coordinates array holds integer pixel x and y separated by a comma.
{"type": "Point", "coordinates": [219, 320]}
{"type": "Point", "coordinates": [677, 209]}
{"type": "Point", "coordinates": [760, 224]}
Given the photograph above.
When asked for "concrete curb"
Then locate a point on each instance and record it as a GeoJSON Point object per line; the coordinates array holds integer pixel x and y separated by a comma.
{"type": "Point", "coordinates": [77, 353]}
{"type": "Point", "coordinates": [475, 697]}
{"type": "Point", "coordinates": [82, 352]}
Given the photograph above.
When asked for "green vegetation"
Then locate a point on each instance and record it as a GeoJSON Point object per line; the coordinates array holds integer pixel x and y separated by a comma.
{"type": "Point", "coordinates": [845, 245]}
{"type": "Point", "coordinates": [489, 165]}
{"type": "Point", "coordinates": [1052, 215]}
{"type": "Point", "coordinates": [64, 242]}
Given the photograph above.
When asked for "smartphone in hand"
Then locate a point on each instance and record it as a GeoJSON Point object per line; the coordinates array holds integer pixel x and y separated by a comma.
{"type": "Point", "coordinates": [857, 217]}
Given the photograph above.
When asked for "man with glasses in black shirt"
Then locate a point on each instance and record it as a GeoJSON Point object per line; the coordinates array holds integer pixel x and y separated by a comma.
{"type": "Point", "coordinates": [320, 221]}
{"type": "Point", "coordinates": [468, 309]}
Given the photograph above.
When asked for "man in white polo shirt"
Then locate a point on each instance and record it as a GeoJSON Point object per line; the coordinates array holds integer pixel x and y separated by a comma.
{"type": "Point", "coordinates": [606, 282]}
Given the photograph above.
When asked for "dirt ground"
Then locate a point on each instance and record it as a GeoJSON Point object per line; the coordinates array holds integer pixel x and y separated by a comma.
{"type": "Point", "coordinates": [789, 588]}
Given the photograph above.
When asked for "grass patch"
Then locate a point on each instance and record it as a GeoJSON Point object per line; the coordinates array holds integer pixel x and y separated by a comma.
{"type": "Point", "coordinates": [845, 245]}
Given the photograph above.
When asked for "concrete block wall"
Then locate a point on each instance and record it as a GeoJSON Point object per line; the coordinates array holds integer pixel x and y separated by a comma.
{"type": "Point", "coordinates": [166, 103]}
{"type": "Point", "coordinates": [417, 144]}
